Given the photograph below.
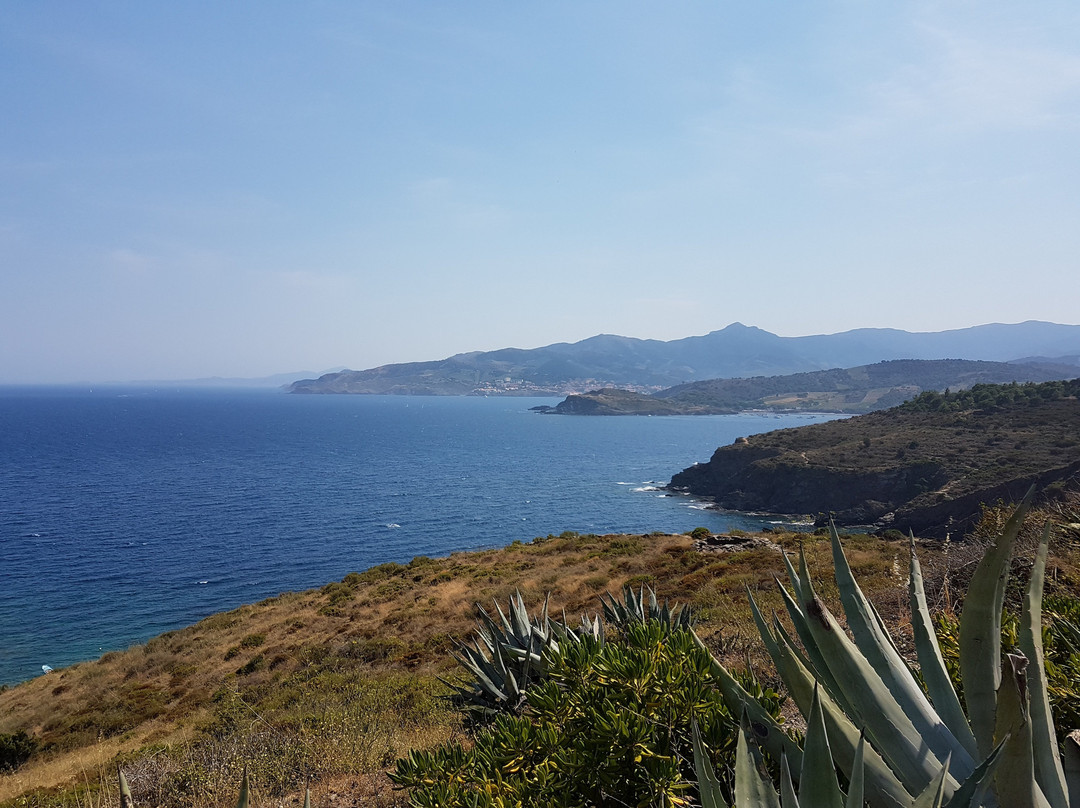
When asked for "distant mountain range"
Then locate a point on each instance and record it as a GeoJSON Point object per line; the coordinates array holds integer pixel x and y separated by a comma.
{"type": "Point", "coordinates": [856, 390]}
{"type": "Point", "coordinates": [738, 351]}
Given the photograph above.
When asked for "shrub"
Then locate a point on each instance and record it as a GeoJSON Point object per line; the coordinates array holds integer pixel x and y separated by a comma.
{"type": "Point", "coordinates": [610, 724]}
{"type": "Point", "coordinates": [15, 749]}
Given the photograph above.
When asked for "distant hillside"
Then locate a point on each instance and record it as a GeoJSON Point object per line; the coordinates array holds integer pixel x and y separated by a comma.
{"type": "Point", "coordinates": [927, 465]}
{"type": "Point", "coordinates": [650, 365]}
{"type": "Point", "coordinates": [855, 390]}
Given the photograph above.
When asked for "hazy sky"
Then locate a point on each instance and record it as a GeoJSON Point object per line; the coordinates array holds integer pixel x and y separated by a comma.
{"type": "Point", "coordinates": [203, 188]}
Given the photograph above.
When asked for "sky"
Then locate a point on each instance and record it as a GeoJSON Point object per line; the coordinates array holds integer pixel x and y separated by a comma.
{"type": "Point", "coordinates": [247, 188]}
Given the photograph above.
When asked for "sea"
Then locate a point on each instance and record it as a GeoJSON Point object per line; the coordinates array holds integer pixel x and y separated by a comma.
{"type": "Point", "coordinates": [126, 512]}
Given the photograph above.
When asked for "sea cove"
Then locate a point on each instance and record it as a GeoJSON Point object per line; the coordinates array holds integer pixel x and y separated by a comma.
{"type": "Point", "coordinates": [128, 512]}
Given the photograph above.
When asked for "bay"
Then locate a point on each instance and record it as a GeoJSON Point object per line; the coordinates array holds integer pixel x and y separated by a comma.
{"type": "Point", "coordinates": [125, 512]}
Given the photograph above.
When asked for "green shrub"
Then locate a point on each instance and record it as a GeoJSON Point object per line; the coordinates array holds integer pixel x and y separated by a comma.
{"type": "Point", "coordinates": [609, 724]}
{"type": "Point", "coordinates": [15, 749]}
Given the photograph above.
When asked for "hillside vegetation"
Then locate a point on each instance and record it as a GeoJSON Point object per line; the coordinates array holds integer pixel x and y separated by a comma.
{"type": "Point", "coordinates": [927, 465]}
{"type": "Point", "coordinates": [333, 685]}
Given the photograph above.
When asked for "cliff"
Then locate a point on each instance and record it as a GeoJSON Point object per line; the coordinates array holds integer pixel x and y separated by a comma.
{"type": "Point", "coordinates": [906, 468]}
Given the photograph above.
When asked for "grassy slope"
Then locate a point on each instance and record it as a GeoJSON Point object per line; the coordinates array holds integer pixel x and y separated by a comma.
{"type": "Point", "coordinates": [337, 682]}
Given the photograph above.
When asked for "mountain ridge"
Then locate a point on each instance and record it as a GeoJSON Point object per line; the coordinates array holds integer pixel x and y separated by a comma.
{"type": "Point", "coordinates": [648, 365]}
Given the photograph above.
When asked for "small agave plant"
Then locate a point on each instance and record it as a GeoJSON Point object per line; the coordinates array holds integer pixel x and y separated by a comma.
{"type": "Point", "coordinates": [898, 745]}
{"type": "Point", "coordinates": [634, 608]}
{"type": "Point", "coordinates": [507, 656]}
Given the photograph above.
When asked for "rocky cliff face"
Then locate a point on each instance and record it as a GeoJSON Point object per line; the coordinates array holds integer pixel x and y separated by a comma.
{"type": "Point", "coordinates": [748, 478]}
{"type": "Point", "coordinates": [929, 472]}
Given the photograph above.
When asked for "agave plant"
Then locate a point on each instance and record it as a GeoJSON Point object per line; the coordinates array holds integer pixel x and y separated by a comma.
{"type": "Point", "coordinates": [507, 656]}
{"type": "Point", "coordinates": [902, 746]}
{"type": "Point", "coordinates": [634, 608]}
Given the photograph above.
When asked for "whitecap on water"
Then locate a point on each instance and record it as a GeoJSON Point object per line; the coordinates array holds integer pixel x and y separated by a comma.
{"type": "Point", "coordinates": [392, 525]}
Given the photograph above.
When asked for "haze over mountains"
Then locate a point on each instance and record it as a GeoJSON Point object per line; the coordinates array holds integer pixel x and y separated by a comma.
{"type": "Point", "coordinates": [737, 351]}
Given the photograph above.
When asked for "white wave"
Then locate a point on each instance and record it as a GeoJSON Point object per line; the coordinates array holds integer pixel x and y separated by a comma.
{"type": "Point", "coordinates": [645, 488]}
{"type": "Point", "coordinates": [392, 525]}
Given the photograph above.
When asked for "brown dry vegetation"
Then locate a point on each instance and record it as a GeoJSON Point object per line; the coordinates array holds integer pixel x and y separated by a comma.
{"type": "Point", "coordinates": [334, 684]}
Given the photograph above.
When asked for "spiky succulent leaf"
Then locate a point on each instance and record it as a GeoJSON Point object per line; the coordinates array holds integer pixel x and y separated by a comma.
{"type": "Point", "coordinates": [972, 792]}
{"type": "Point", "coordinates": [1048, 771]}
{"type": "Point", "coordinates": [876, 647]}
{"type": "Point", "coordinates": [980, 631]}
{"type": "Point", "coordinates": [708, 783]}
{"type": "Point", "coordinates": [1015, 780]}
{"type": "Point", "coordinates": [788, 798]}
{"type": "Point", "coordinates": [125, 792]}
{"type": "Point", "coordinates": [817, 780]}
{"type": "Point", "coordinates": [1070, 762]}
{"type": "Point", "coordinates": [753, 789]}
{"type": "Point", "coordinates": [932, 664]}
{"type": "Point", "coordinates": [855, 780]}
{"type": "Point", "coordinates": [243, 798]}
{"type": "Point", "coordinates": [933, 795]}
{"type": "Point", "coordinates": [889, 729]}
{"type": "Point", "coordinates": [770, 734]}
{"type": "Point", "coordinates": [814, 657]}
{"type": "Point", "coordinates": [881, 785]}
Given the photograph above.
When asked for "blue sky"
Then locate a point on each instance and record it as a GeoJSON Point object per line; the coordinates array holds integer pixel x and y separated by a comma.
{"type": "Point", "coordinates": [239, 189]}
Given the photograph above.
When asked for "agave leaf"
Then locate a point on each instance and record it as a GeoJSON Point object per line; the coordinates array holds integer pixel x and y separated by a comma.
{"type": "Point", "coordinates": [889, 729]}
{"type": "Point", "coordinates": [708, 783]}
{"type": "Point", "coordinates": [813, 652]}
{"type": "Point", "coordinates": [1048, 771]}
{"type": "Point", "coordinates": [770, 734]}
{"type": "Point", "coordinates": [763, 629]}
{"type": "Point", "coordinates": [307, 798]}
{"type": "Point", "coordinates": [787, 789]}
{"type": "Point", "coordinates": [855, 781]}
{"type": "Point", "coordinates": [934, 793]}
{"type": "Point", "coordinates": [878, 650]}
{"type": "Point", "coordinates": [1071, 764]}
{"type": "Point", "coordinates": [931, 663]}
{"type": "Point", "coordinates": [242, 800]}
{"type": "Point", "coordinates": [781, 634]}
{"type": "Point", "coordinates": [125, 792]}
{"type": "Point", "coordinates": [980, 631]}
{"type": "Point", "coordinates": [973, 791]}
{"type": "Point", "coordinates": [1015, 780]}
{"type": "Point", "coordinates": [817, 780]}
{"type": "Point", "coordinates": [753, 789]}
{"type": "Point", "coordinates": [881, 785]}
{"type": "Point", "coordinates": [793, 576]}
{"type": "Point", "coordinates": [806, 585]}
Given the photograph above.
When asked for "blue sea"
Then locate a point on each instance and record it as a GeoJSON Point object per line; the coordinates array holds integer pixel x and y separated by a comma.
{"type": "Point", "coordinates": [125, 512]}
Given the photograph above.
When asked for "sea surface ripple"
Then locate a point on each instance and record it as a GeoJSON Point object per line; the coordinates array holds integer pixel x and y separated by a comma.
{"type": "Point", "coordinates": [125, 512]}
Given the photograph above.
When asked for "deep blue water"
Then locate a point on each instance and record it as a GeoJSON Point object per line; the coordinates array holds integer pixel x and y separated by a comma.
{"type": "Point", "coordinates": [128, 512]}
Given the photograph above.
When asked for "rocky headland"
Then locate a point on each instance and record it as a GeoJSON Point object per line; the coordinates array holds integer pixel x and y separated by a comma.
{"type": "Point", "coordinates": [927, 466]}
